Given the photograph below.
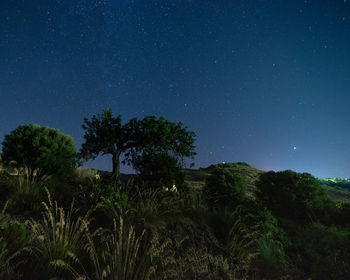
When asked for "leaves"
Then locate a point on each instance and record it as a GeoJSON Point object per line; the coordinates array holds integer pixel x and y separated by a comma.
{"type": "Point", "coordinates": [44, 150]}
{"type": "Point", "coordinates": [136, 139]}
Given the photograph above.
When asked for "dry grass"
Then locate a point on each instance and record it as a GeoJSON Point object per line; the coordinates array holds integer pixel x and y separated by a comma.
{"type": "Point", "coordinates": [241, 247]}
{"type": "Point", "coordinates": [144, 207]}
{"type": "Point", "coordinates": [59, 237]}
{"type": "Point", "coordinates": [63, 246]}
{"type": "Point", "coordinates": [83, 176]}
{"type": "Point", "coordinates": [59, 240]}
{"type": "Point", "coordinates": [121, 259]}
{"type": "Point", "coordinates": [7, 267]}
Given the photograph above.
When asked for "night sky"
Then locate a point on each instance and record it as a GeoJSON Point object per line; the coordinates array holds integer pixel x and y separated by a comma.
{"type": "Point", "coordinates": [264, 82]}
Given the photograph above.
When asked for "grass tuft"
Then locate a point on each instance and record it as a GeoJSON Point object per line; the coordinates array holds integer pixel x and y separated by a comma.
{"type": "Point", "coordinates": [58, 237]}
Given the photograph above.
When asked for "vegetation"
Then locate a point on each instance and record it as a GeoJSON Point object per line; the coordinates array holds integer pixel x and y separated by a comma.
{"type": "Point", "coordinates": [227, 221]}
{"type": "Point", "coordinates": [224, 189]}
{"type": "Point", "coordinates": [336, 183]}
{"type": "Point", "coordinates": [43, 151]}
{"type": "Point", "coordinates": [144, 143]}
{"type": "Point", "coordinates": [285, 190]}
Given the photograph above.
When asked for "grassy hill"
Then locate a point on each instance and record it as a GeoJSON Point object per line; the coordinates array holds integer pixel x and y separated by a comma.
{"type": "Point", "coordinates": [337, 188]}
{"type": "Point", "coordinates": [196, 177]}
{"type": "Point", "coordinates": [178, 226]}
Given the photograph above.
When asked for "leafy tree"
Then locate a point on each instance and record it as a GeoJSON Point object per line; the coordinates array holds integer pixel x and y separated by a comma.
{"type": "Point", "coordinates": [43, 150]}
{"type": "Point", "coordinates": [291, 195]}
{"type": "Point", "coordinates": [159, 169]}
{"type": "Point", "coordinates": [136, 140]}
{"type": "Point", "coordinates": [224, 188]}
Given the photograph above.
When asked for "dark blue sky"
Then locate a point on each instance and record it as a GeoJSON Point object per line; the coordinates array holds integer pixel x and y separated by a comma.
{"type": "Point", "coordinates": [265, 82]}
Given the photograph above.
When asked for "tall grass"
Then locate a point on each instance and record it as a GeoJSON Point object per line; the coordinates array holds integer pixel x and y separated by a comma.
{"type": "Point", "coordinates": [121, 258]}
{"type": "Point", "coordinates": [143, 239]}
{"type": "Point", "coordinates": [63, 246]}
{"type": "Point", "coordinates": [83, 176]}
{"type": "Point", "coordinates": [58, 239]}
{"type": "Point", "coordinates": [241, 247]}
{"type": "Point", "coordinates": [7, 253]}
{"type": "Point", "coordinates": [144, 207]}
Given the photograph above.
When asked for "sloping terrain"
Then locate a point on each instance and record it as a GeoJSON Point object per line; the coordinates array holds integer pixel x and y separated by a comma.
{"type": "Point", "coordinates": [196, 177]}
{"type": "Point", "coordinates": [338, 195]}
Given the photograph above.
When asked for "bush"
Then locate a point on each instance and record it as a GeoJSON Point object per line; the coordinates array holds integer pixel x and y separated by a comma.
{"type": "Point", "coordinates": [57, 240]}
{"type": "Point", "coordinates": [42, 150]}
{"type": "Point", "coordinates": [224, 189]}
{"type": "Point", "coordinates": [342, 214]}
{"type": "Point", "coordinates": [324, 252]}
{"type": "Point", "coordinates": [13, 238]}
{"type": "Point", "coordinates": [295, 196]}
{"type": "Point", "coordinates": [271, 240]}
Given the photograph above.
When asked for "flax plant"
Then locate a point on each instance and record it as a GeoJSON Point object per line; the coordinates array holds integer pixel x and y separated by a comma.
{"type": "Point", "coordinates": [59, 238]}
{"type": "Point", "coordinates": [7, 257]}
{"type": "Point", "coordinates": [145, 207]}
{"type": "Point", "coordinates": [156, 207]}
{"type": "Point", "coordinates": [122, 258]}
{"type": "Point", "coordinates": [25, 183]}
{"type": "Point", "coordinates": [241, 247]}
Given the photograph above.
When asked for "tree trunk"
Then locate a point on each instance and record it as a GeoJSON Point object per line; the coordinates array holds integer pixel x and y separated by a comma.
{"type": "Point", "coordinates": [116, 171]}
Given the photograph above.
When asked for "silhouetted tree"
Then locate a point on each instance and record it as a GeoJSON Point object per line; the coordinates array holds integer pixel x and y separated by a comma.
{"type": "Point", "coordinates": [159, 169]}
{"type": "Point", "coordinates": [137, 138]}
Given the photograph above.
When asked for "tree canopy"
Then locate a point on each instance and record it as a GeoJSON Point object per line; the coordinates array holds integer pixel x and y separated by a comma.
{"type": "Point", "coordinates": [224, 188]}
{"type": "Point", "coordinates": [136, 140]}
{"type": "Point", "coordinates": [42, 150]}
{"type": "Point", "coordinates": [297, 196]}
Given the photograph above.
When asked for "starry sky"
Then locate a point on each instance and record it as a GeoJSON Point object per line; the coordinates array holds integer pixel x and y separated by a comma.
{"type": "Point", "coordinates": [264, 82]}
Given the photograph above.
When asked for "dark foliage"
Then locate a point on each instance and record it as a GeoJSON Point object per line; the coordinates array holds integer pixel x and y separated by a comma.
{"type": "Point", "coordinates": [295, 196]}
{"type": "Point", "coordinates": [224, 189]}
{"type": "Point", "coordinates": [43, 150]}
{"type": "Point", "coordinates": [323, 252]}
{"type": "Point", "coordinates": [138, 141]}
{"type": "Point", "coordinates": [160, 170]}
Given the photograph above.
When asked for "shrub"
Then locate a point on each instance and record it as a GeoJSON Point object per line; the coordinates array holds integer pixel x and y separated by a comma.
{"type": "Point", "coordinates": [324, 252]}
{"type": "Point", "coordinates": [241, 246]}
{"type": "Point", "coordinates": [224, 189]}
{"type": "Point", "coordinates": [42, 150]}
{"type": "Point", "coordinates": [58, 240]}
{"type": "Point", "coordinates": [342, 214]}
{"type": "Point", "coordinates": [291, 195]}
{"type": "Point", "coordinates": [271, 240]}
{"type": "Point", "coordinates": [122, 257]}
{"type": "Point", "coordinates": [13, 236]}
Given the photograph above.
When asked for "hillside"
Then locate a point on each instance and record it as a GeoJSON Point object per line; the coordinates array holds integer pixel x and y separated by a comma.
{"type": "Point", "coordinates": [196, 177]}
{"type": "Point", "coordinates": [188, 225]}
{"type": "Point", "coordinates": [338, 189]}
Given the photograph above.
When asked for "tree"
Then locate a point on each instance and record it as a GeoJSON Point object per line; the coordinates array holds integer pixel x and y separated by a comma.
{"type": "Point", "coordinates": [159, 170]}
{"type": "Point", "coordinates": [224, 188]}
{"type": "Point", "coordinates": [291, 195]}
{"type": "Point", "coordinates": [42, 150]}
{"type": "Point", "coordinates": [135, 139]}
